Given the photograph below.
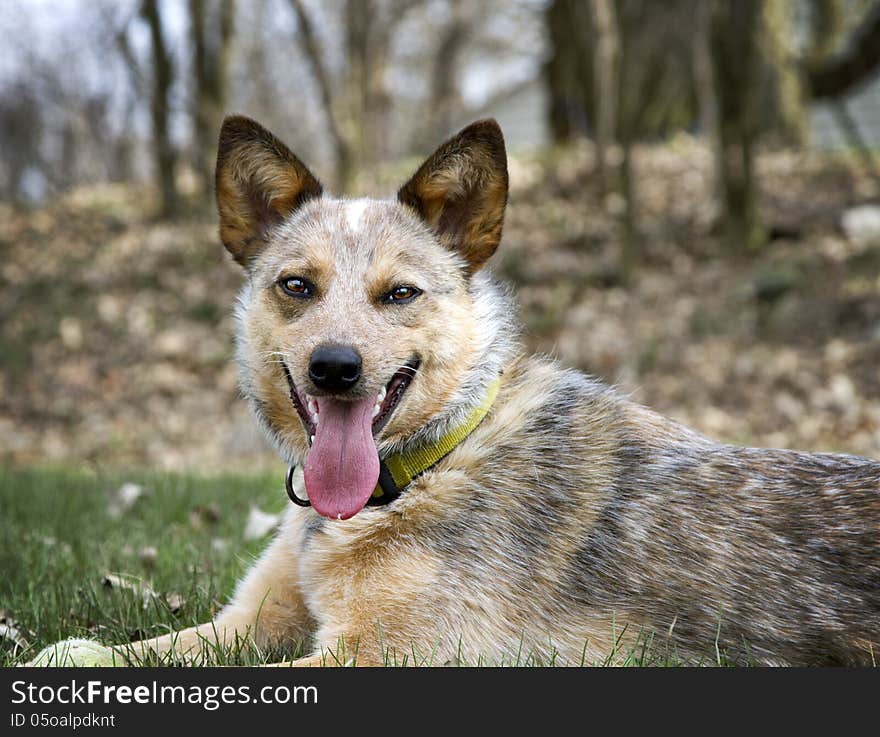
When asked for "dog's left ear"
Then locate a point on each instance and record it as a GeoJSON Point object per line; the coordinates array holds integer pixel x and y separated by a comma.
{"type": "Point", "coordinates": [259, 182]}
{"type": "Point", "coordinates": [461, 192]}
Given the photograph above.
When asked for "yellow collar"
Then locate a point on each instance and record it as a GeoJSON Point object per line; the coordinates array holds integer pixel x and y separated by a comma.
{"type": "Point", "coordinates": [398, 470]}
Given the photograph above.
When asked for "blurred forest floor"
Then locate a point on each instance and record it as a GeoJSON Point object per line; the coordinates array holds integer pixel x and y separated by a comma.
{"type": "Point", "coordinates": [116, 332]}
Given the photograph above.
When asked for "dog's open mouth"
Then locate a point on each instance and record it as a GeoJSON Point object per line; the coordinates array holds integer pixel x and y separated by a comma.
{"type": "Point", "coordinates": [342, 467]}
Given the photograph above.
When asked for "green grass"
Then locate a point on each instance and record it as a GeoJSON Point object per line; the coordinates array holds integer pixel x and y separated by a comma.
{"type": "Point", "coordinates": [59, 539]}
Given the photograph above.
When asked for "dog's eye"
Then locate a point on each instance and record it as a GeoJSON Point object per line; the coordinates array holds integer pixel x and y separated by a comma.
{"type": "Point", "coordinates": [401, 295]}
{"type": "Point", "coordinates": [296, 286]}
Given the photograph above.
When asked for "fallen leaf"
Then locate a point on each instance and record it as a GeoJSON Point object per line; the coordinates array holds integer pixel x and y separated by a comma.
{"type": "Point", "coordinates": [51, 542]}
{"type": "Point", "coordinates": [204, 516]}
{"type": "Point", "coordinates": [260, 523]}
{"type": "Point", "coordinates": [174, 601]}
{"type": "Point", "coordinates": [862, 224]}
{"type": "Point", "coordinates": [124, 498]}
{"type": "Point", "coordinates": [136, 586]}
{"type": "Point", "coordinates": [12, 634]}
{"type": "Point", "coordinates": [148, 556]}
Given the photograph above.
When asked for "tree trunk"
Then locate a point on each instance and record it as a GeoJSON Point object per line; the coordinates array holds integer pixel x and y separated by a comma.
{"type": "Point", "coordinates": [164, 154]}
{"type": "Point", "coordinates": [445, 99]}
{"type": "Point", "coordinates": [370, 26]}
{"type": "Point", "coordinates": [736, 63]}
{"type": "Point", "coordinates": [211, 56]}
{"type": "Point", "coordinates": [630, 253]}
{"type": "Point", "coordinates": [630, 83]}
{"type": "Point", "coordinates": [341, 146]}
{"type": "Point", "coordinates": [704, 86]}
{"type": "Point", "coordinates": [568, 70]}
{"type": "Point", "coordinates": [359, 16]}
{"type": "Point", "coordinates": [780, 60]}
{"type": "Point", "coordinates": [826, 26]}
{"type": "Point", "coordinates": [604, 71]}
{"type": "Point", "coordinates": [200, 88]}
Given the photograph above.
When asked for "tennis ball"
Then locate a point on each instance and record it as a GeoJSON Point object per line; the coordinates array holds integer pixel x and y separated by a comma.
{"type": "Point", "coordinates": [78, 653]}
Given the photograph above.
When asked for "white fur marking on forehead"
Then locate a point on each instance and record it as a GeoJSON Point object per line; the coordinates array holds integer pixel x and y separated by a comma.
{"type": "Point", "coordinates": [354, 211]}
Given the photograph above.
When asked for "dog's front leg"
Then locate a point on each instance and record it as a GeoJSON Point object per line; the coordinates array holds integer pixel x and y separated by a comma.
{"type": "Point", "coordinates": [189, 646]}
{"type": "Point", "coordinates": [312, 661]}
{"type": "Point", "coordinates": [267, 610]}
{"type": "Point", "coordinates": [343, 645]}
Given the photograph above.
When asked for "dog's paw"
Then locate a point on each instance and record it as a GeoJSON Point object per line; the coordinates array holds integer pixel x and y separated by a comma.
{"type": "Point", "coordinates": [79, 654]}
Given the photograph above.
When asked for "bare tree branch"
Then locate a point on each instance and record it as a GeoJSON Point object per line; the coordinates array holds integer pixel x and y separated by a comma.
{"type": "Point", "coordinates": [313, 53]}
{"type": "Point", "coordinates": [857, 64]}
{"type": "Point", "coordinates": [131, 62]}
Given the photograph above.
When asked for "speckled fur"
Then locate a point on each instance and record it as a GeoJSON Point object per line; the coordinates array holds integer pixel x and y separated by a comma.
{"type": "Point", "coordinates": [572, 519]}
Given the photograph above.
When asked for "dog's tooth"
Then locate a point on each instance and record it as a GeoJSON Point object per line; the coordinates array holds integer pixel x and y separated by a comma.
{"type": "Point", "coordinates": [380, 397]}
{"type": "Point", "coordinates": [376, 410]}
{"type": "Point", "coordinates": [313, 405]}
{"type": "Point", "coordinates": [315, 419]}
{"type": "Point", "coordinates": [312, 439]}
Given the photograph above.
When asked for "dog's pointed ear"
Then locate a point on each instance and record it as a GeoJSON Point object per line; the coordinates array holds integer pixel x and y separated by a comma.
{"type": "Point", "coordinates": [259, 182]}
{"type": "Point", "coordinates": [461, 191]}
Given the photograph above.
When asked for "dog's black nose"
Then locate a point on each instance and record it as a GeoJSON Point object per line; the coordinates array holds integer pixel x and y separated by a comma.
{"type": "Point", "coordinates": [335, 368]}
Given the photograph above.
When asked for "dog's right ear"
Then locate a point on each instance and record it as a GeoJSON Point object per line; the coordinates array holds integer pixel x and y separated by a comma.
{"type": "Point", "coordinates": [259, 182]}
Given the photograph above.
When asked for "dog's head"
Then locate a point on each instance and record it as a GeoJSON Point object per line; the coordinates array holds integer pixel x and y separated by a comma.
{"type": "Point", "coordinates": [357, 324]}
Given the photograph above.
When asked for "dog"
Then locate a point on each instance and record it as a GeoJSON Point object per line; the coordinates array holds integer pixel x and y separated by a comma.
{"type": "Point", "coordinates": [460, 501]}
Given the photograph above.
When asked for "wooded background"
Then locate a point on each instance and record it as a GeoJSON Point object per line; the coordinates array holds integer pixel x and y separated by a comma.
{"type": "Point", "coordinates": [692, 214]}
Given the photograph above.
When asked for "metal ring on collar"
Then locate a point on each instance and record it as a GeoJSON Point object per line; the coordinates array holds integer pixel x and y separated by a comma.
{"type": "Point", "coordinates": [288, 482]}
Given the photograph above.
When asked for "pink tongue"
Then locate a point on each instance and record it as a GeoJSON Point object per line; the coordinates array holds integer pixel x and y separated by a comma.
{"type": "Point", "coordinates": [342, 467]}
